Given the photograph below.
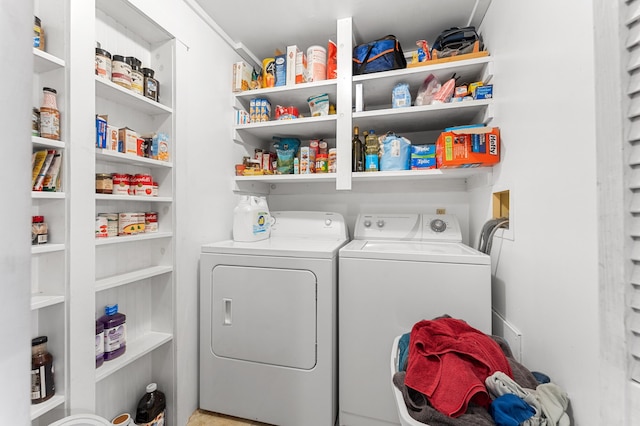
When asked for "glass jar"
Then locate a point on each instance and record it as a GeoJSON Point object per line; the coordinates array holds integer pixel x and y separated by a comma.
{"type": "Point", "coordinates": [38, 34]}
{"type": "Point", "coordinates": [39, 230]}
{"type": "Point", "coordinates": [121, 71]}
{"type": "Point", "coordinates": [137, 78]}
{"type": "Point", "coordinates": [42, 384]}
{"type": "Point", "coordinates": [49, 115]}
{"type": "Point", "coordinates": [104, 183]}
{"type": "Point", "coordinates": [151, 85]}
{"type": "Point", "coordinates": [103, 63]}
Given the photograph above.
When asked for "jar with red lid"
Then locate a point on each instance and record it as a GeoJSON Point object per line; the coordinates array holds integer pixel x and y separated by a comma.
{"type": "Point", "coordinates": [39, 230]}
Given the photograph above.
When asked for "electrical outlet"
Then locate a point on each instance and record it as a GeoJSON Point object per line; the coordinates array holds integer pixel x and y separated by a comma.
{"type": "Point", "coordinates": [441, 211]}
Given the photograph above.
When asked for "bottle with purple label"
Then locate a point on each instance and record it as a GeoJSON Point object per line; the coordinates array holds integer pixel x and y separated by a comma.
{"type": "Point", "coordinates": [115, 332]}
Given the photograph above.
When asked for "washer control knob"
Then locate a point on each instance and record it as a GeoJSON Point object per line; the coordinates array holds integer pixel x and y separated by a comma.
{"type": "Point", "coordinates": [438, 225]}
{"type": "Point", "coordinates": [328, 222]}
{"type": "Point", "coordinates": [380, 223]}
{"type": "Point", "coordinates": [367, 223]}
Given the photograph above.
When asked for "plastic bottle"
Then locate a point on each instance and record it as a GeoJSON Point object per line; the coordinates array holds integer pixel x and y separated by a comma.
{"type": "Point", "coordinates": [261, 218]}
{"type": "Point", "coordinates": [42, 384]}
{"type": "Point", "coordinates": [242, 220]}
{"type": "Point", "coordinates": [372, 148]}
{"type": "Point", "coordinates": [99, 343]}
{"type": "Point", "coordinates": [49, 115]}
{"type": "Point", "coordinates": [115, 332]}
{"type": "Point", "coordinates": [357, 152]}
{"type": "Point", "coordinates": [151, 407]}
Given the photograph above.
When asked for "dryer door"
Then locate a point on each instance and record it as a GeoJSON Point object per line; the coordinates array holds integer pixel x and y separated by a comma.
{"type": "Point", "coordinates": [265, 315]}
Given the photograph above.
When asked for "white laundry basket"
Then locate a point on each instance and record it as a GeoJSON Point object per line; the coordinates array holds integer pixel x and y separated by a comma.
{"type": "Point", "coordinates": [403, 414]}
{"type": "Point", "coordinates": [82, 420]}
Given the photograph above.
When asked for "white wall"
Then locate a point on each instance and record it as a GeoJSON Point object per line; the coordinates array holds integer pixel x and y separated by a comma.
{"type": "Point", "coordinates": [546, 283]}
{"type": "Point", "coordinates": [16, 21]}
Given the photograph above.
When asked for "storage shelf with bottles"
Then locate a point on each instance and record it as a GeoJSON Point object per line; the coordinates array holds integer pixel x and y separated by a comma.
{"type": "Point", "coordinates": [45, 62]}
{"type": "Point", "coordinates": [43, 408]}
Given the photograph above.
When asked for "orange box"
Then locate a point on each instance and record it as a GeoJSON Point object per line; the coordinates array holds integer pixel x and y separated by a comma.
{"type": "Point", "coordinates": [468, 147]}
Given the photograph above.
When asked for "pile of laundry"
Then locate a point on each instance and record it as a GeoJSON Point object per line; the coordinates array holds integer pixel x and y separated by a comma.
{"type": "Point", "coordinates": [451, 374]}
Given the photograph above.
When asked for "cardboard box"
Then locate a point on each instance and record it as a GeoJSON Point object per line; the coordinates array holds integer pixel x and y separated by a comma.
{"type": "Point", "coordinates": [241, 76]}
{"type": "Point", "coordinates": [468, 147]}
{"type": "Point", "coordinates": [426, 150]}
{"type": "Point", "coordinates": [483, 92]}
{"type": "Point", "coordinates": [423, 163]}
{"type": "Point", "coordinates": [281, 70]}
{"type": "Point", "coordinates": [292, 57]}
{"type": "Point", "coordinates": [307, 160]}
{"type": "Point", "coordinates": [112, 138]}
{"type": "Point", "coordinates": [128, 140]}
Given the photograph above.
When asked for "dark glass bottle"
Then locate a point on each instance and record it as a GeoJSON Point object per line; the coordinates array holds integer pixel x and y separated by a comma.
{"type": "Point", "coordinates": [357, 153]}
{"type": "Point", "coordinates": [151, 407]}
{"type": "Point", "coordinates": [42, 385]}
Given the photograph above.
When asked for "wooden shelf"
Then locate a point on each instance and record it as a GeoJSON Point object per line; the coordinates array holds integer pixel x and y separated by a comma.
{"type": "Point", "coordinates": [119, 157]}
{"type": "Point", "coordinates": [131, 277]}
{"type": "Point", "coordinates": [43, 300]}
{"type": "Point", "coordinates": [132, 238]}
{"type": "Point", "coordinates": [45, 62]}
{"type": "Point", "coordinates": [38, 410]}
{"type": "Point", "coordinates": [108, 90]}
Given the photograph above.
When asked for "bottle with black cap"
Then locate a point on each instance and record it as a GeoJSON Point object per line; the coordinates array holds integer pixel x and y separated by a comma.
{"type": "Point", "coordinates": [42, 384]}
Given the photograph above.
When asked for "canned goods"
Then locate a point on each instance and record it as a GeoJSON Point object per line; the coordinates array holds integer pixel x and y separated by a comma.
{"type": "Point", "coordinates": [143, 184]}
{"type": "Point", "coordinates": [102, 227]}
{"type": "Point", "coordinates": [130, 223]}
{"type": "Point", "coordinates": [104, 183]}
{"type": "Point", "coordinates": [121, 183]}
{"type": "Point", "coordinates": [112, 223]}
{"type": "Point", "coordinates": [151, 222]}
{"type": "Point", "coordinates": [154, 189]}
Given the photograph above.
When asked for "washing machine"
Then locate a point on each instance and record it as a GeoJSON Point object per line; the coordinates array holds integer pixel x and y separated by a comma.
{"type": "Point", "coordinates": [268, 322]}
{"type": "Point", "coordinates": [400, 269]}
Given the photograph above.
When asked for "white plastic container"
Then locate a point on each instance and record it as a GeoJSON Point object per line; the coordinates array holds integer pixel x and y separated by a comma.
{"type": "Point", "coordinates": [251, 219]}
{"type": "Point", "coordinates": [403, 414]}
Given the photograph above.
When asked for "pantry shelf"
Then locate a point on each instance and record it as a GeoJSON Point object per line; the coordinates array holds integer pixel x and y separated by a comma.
{"type": "Point", "coordinates": [132, 238]}
{"type": "Point", "coordinates": [47, 248]}
{"type": "Point", "coordinates": [118, 157]}
{"type": "Point", "coordinates": [135, 349]}
{"type": "Point", "coordinates": [47, 195]}
{"type": "Point", "coordinates": [425, 117]}
{"type": "Point", "coordinates": [115, 197]}
{"type": "Point", "coordinates": [323, 127]}
{"type": "Point", "coordinates": [45, 62]}
{"type": "Point", "coordinates": [284, 95]}
{"type": "Point", "coordinates": [131, 277]}
{"type": "Point", "coordinates": [42, 300]}
{"type": "Point", "coordinates": [462, 173]}
{"type": "Point", "coordinates": [111, 91]}
{"type": "Point", "coordinates": [38, 410]}
{"type": "Point", "coordinates": [317, 177]}
{"type": "Point", "coordinates": [37, 141]}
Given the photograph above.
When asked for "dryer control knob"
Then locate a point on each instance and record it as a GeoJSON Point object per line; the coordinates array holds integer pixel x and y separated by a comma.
{"type": "Point", "coordinates": [328, 222]}
{"type": "Point", "coordinates": [438, 225]}
{"type": "Point", "coordinates": [367, 223]}
{"type": "Point", "coordinates": [380, 223]}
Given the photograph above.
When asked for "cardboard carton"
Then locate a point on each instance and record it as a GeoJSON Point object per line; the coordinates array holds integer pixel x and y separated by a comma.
{"type": "Point", "coordinates": [468, 147]}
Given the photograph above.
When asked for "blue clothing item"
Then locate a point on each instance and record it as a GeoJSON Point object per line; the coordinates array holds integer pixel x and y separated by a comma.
{"type": "Point", "coordinates": [510, 410]}
{"type": "Point", "coordinates": [541, 377]}
{"type": "Point", "coordinates": [403, 351]}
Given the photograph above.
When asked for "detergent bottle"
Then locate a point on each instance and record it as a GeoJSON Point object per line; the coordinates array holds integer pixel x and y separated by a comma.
{"type": "Point", "coordinates": [251, 219]}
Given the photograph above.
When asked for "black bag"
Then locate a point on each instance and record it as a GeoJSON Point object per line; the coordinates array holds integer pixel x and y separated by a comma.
{"type": "Point", "coordinates": [456, 40]}
{"type": "Point", "coordinates": [379, 55]}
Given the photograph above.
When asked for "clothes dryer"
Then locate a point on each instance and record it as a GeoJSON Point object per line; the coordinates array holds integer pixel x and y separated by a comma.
{"type": "Point", "coordinates": [268, 322]}
{"type": "Point", "coordinates": [400, 269]}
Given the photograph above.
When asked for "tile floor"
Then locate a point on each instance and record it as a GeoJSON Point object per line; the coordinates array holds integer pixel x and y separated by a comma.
{"type": "Point", "coordinates": [207, 418]}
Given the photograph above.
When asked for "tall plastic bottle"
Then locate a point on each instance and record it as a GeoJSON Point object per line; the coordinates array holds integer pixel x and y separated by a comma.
{"type": "Point", "coordinates": [262, 218]}
{"type": "Point", "coordinates": [242, 220]}
{"type": "Point", "coordinates": [372, 163]}
{"type": "Point", "coordinates": [151, 407]}
{"type": "Point", "coordinates": [115, 332]}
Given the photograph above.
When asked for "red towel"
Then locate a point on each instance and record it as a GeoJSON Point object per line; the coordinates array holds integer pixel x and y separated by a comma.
{"type": "Point", "coordinates": [449, 361]}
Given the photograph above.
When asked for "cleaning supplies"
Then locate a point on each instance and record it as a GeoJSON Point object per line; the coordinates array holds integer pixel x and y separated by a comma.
{"type": "Point", "coordinates": [151, 407]}
{"type": "Point", "coordinates": [251, 219]}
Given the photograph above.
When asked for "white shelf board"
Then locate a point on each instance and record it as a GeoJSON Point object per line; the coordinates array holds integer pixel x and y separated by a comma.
{"type": "Point", "coordinates": [421, 118]}
{"type": "Point", "coordinates": [306, 178]}
{"type": "Point", "coordinates": [47, 195]}
{"type": "Point", "coordinates": [132, 238]}
{"type": "Point", "coordinates": [123, 12]}
{"type": "Point", "coordinates": [115, 197]}
{"type": "Point", "coordinates": [38, 141]}
{"type": "Point", "coordinates": [135, 350]}
{"type": "Point", "coordinates": [377, 87]}
{"type": "Point", "coordinates": [288, 95]}
{"type": "Point", "coordinates": [323, 127]}
{"type": "Point", "coordinates": [47, 248]}
{"type": "Point", "coordinates": [131, 277]}
{"type": "Point", "coordinates": [38, 410]}
{"type": "Point", "coordinates": [431, 174]}
{"type": "Point", "coordinates": [119, 157]}
{"type": "Point", "coordinates": [44, 62]}
{"type": "Point", "coordinates": [42, 300]}
{"type": "Point", "coordinates": [108, 90]}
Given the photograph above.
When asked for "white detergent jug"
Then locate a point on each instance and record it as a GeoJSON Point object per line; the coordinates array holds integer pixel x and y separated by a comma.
{"type": "Point", "coordinates": [251, 219]}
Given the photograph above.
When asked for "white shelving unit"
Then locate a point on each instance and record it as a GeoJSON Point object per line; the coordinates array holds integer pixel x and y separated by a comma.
{"type": "Point", "coordinates": [136, 271]}
{"type": "Point", "coordinates": [49, 273]}
{"type": "Point", "coordinates": [418, 123]}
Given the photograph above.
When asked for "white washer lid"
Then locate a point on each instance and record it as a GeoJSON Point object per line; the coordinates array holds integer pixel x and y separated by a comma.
{"type": "Point", "coordinates": [418, 251]}
{"type": "Point", "coordinates": [82, 420]}
{"type": "Point", "coordinates": [288, 247]}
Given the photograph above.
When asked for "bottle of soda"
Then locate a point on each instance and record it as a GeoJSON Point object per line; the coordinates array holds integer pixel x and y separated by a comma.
{"type": "Point", "coordinates": [151, 407]}
{"type": "Point", "coordinates": [357, 152]}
